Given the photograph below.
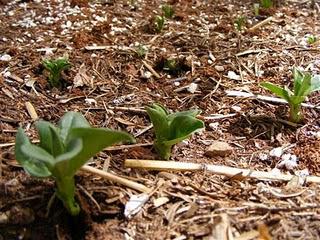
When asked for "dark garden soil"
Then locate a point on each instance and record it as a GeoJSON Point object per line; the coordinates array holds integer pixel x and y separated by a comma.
{"type": "Point", "coordinates": [118, 67]}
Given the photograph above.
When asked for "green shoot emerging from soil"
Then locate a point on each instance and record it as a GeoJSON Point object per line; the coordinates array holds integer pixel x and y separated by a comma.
{"type": "Point", "coordinates": [312, 39]}
{"type": "Point", "coordinates": [141, 50]}
{"type": "Point", "coordinates": [168, 11]}
{"type": "Point", "coordinates": [171, 128]}
{"type": "Point", "coordinates": [240, 23]}
{"type": "Point", "coordinates": [159, 23]}
{"type": "Point", "coordinates": [303, 85]}
{"type": "Point", "coordinates": [266, 3]}
{"type": "Point", "coordinates": [256, 9]}
{"type": "Point", "coordinates": [55, 68]}
{"type": "Point", "coordinates": [63, 150]}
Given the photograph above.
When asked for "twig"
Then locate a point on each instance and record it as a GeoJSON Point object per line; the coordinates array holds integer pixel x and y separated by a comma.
{"type": "Point", "coordinates": [143, 130]}
{"type": "Point", "coordinates": [231, 93]}
{"type": "Point", "coordinates": [216, 169]}
{"type": "Point", "coordinates": [151, 69]}
{"type": "Point", "coordinates": [117, 179]}
{"type": "Point", "coordinates": [121, 147]}
{"type": "Point", "coordinates": [260, 24]}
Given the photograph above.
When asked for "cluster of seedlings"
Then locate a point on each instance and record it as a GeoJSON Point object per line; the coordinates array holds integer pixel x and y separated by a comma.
{"type": "Point", "coordinates": [65, 148]}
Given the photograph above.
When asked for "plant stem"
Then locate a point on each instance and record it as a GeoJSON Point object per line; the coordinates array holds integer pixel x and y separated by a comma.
{"type": "Point", "coordinates": [65, 192]}
{"type": "Point", "coordinates": [295, 113]}
{"type": "Point", "coordinates": [163, 150]}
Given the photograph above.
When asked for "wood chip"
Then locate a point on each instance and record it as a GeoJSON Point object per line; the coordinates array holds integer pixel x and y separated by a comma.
{"type": "Point", "coordinates": [32, 111]}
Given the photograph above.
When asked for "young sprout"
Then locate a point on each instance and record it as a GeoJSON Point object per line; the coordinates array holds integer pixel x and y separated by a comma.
{"type": "Point", "coordinates": [240, 22]}
{"type": "Point", "coordinates": [63, 150]}
{"type": "Point", "coordinates": [159, 23]}
{"type": "Point", "coordinates": [266, 3]}
{"type": "Point", "coordinates": [141, 50]}
{"type": "Point", "coordinates": [171, 128]}
{"type": "Point", "coordinates": [170, 65]}
{"type": "Point", "coordinates": [168, 11]}
{"type": "Point", "coordinates": [303, 85]}
{"type": "Point", "coordinates": [55, 68]}
{"type": "Point", "coordinates": [256, 9]}
{"type": "Point", "coordinates": [311, 39]}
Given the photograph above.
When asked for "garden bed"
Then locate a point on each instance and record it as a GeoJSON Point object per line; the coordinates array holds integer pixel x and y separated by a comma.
{"type": "Point", "coordinates": [121, 63]}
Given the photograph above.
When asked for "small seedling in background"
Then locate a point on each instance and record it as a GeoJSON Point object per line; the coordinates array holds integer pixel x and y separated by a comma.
{"type": "Point", "coordinates": [55, 68]}
{"type": "Point", "coordinates": [266, 3]}
{"type": "Point", "coordinates": [256, 9]}
{"type": "Point", "coordinates": [63, 150]}
{"type": "Point", "coordinates": [168, 11]}
{"type": "Point", "coordinates": [312, 39]}
{"type": "Point", "coordinates": [159, 23]}
{"type": "Point", "coordinates": [141, 50]}
{"type": "Point", "coordinates": [303, 85]}
{"type": "Point", "coordinates": [171, 128]}
{"type": "Point", "coordinates": [170, 65]}
{"type": "Point", "coordinates": [240, 23]}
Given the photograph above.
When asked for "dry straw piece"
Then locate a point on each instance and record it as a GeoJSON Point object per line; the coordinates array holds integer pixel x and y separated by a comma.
{"type": "Point", "coordinates": [215, 169]}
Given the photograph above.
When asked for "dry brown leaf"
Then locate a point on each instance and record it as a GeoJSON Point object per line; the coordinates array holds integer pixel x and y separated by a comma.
{"type": "Point", "coordinates": [82, 78]}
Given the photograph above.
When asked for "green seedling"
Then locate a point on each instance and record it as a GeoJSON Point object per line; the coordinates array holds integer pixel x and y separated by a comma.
{"type": "Point", "coordinates": [55, 68]}
{"type": "Point", "coordinates": [159, 23]}
{"type": "Point", "coordinates": [240, 23]}
{"type": "Point", "coordinates": [141, 50]}
{"type": "Point", "coordinates": [303, 85]}
{"type": "Point", "coordinates": [168, 11]}
{"type": "Point", "coordinates": [170, 65]}
{"type": "Point", "coordinates": [312, 39]}
{"type": "Point", "coordinates": [256, 9]}
{"type": "Point", "coordinates": [171, 128]}
{"type": "Point", "coordinates": [266, 3]}
{"type": "Point", "coordinates": [63, 150]}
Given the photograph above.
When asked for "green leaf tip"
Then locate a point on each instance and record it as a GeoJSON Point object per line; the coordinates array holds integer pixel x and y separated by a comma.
{"type": "Point", "coordinates": [171, 129]}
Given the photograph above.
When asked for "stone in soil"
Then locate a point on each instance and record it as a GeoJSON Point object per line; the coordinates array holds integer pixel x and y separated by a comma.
{"type": "Point", "coordinates": [219, 148]}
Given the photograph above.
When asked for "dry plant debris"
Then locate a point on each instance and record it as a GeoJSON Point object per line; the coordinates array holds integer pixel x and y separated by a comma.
{"type": "Point", "coordinates": [119, 64]}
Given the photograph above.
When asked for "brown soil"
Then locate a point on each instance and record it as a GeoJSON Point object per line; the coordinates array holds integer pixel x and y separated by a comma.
{"type": "Point", "coordinates": [204, 42]}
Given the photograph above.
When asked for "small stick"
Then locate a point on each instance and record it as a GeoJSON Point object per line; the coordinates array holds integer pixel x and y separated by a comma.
{"type": "Point", "coordinates": [260, 24]}
{"type": "Point", "coordinates": [121, 147]}
{"type": "Point", "coordinates": [117, 179]}
{"type": "Point", "coordinates": [216, 169]}
{"type": "Point", "coordinates": [151, 69]}
{"type": "Point", "coordinates": [32, 111]}
{"type": "Point", "coordinates": [231, 93]}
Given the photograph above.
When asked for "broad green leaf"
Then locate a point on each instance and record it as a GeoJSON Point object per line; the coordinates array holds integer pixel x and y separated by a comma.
{"type": "Point", "coordinates": [159, 120]}
{"type": "Point", "coordinates": [182, 127]}
{"type": "Point", "coordinates": [30, 165]}
{"type": "Point", "coordinates": [71, 120]}
{"type": "Point", "coordinates": [305, 86]}
{"type": "Point", "coordinates": [298, 77]}
{"type": "Point", "coordinates": [38, 154]}
{"type": "Point", "coordinates": [315, 83]}
{"type": "Point", "coordinates": [278, 91]}
{"type": "Point", "coordinates": [49, 138]}
{"type": "Point", "coordinates": [94, 140]}
{"type": "Point", "coordinates": [192, 112]}
{"type": "Point", "coordinates": [62, 163]}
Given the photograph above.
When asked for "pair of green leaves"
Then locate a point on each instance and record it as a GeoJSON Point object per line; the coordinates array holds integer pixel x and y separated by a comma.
{"type": "Point", "coordinates": [172, 128]}
{"type": "Point", "coordinates": [63, 150]}
{"type": "Point", "coordinates": [55, 68]}
{"type": "Point", "coordinates": [303, 85]}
